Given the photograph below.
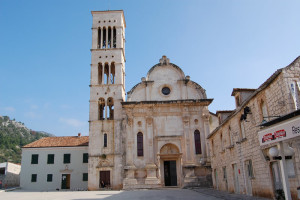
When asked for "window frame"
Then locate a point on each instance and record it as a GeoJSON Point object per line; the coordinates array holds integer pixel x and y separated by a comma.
{"type": "Point", "coordinates": [85, 177]}
{"type": "Point", "coordinates": [34, 159]}
{"type": "Point", "coordinates": [49, 177]}
{"type": "Point", "coordinates": [197, 142]}
{"type": "Point", "coordinates": [140, 144]}
{"type": "Point", "coordinates": [85, 158]}
{"type": "Point", "coordinates": [33, 178]}
{"type": "Point", "coordinates": [65, 161]}
{"type": "Point", "coordinates": [105, 140]}
{"type": "Point", "coordinates": [48, 160]}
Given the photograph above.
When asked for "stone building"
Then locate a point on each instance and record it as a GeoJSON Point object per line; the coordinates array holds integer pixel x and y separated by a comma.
{"type": "Point", "coordinates": [242, 164]}
{"type": "Point", "coordinates": [9, 174]}
{"type": "Point", "coordinates": [55, 163]}
{"type": "Point", "coordinates": [156, 137]}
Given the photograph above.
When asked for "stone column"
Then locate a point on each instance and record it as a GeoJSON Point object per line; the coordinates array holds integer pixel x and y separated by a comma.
{"type": "Point", "coordinates": [205, 118]}
{"type": "Point", "coordinates": [106, 45]}
{"type": "Point", "coordinates": [101, 38]}
{"type": "Point", "coordinates": [111, 37]}
{"type": "Point", "coordinates": [109, 71]}
{"type": "Point", "coordinates": [103, 65]}
{"type": "Point", "coordinates": [105, 107]}
{"type": "Point", "coordinates": [186, 130]}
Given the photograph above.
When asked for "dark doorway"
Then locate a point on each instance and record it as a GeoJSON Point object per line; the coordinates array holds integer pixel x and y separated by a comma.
{"type": "Point", "coordinates": [104, 179]}
{"type": "Point", "coordinates": [170, 173]}
{"type": "Point", "coordinates": [65, 181]}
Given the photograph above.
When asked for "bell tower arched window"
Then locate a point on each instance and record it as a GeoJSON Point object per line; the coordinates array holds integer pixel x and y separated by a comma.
{"type": "Point", "coordinates": [197, 142]}
{"type": "Point", "coordinates": [114, 37]}
{"type": "Point", "coordinates": [110, 104]}
{"type": "Point", "coordinates": [104, 38]}
{"type": "Point", "coordinates": [140, 148]}
{"type": "Point", "coordinates": [100, 73]}
{"type": "Point", "coordinates": [101, 109]}
{"type": "Point", "coordinates": [112, 73]}
{"type": "Point", "coordinates": [99, 38]}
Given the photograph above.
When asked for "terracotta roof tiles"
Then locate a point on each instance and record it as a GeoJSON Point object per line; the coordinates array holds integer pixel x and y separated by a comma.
{"type": "Point", "coordinates": [69, 141]}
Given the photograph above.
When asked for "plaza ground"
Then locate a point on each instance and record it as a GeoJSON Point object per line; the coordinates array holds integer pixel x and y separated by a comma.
{"type": "Point", "coordinates": [161, 194]}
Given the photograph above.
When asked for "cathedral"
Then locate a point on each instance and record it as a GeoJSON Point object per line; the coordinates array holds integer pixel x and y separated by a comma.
{"type": "Point", "coordinates": [154, 138]}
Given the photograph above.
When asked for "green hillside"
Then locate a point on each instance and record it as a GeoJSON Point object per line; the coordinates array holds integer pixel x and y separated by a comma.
{"type": "Point", "coordinates": [14, 135]}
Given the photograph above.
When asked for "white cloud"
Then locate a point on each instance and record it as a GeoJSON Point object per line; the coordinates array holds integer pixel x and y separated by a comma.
{"type": "Point", "coordinates": [10, 109]}
{"type": "Point", "coordinates": [72, 122]}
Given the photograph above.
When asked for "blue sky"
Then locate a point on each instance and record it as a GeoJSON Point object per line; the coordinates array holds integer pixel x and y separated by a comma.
{"type": "Point", "coordinates": [45, 51]}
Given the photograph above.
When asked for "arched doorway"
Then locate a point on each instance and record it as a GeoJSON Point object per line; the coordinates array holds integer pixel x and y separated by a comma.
{"type": "Point", "coordinates": [170, 165]}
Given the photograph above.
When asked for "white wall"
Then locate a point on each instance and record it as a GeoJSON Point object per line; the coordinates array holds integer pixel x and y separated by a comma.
{"type": "Point", "coordinates": [76, 168]}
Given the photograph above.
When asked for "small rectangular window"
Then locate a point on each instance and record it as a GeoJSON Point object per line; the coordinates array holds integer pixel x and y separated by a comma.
{"type": "Point", "coordinates": [85, 177]}
{"type": "Point", "coordinates": [2, 170]}
{"type": "Point", "coordinates": [34, 158]}
{"type": "Point", "coordinates": [50, 159]}
{"type": "Point", "coordinates": [33, 177]}
{"type": "Point", "coordinates": [224, 173]}
{"type": "Point", "coordinates": [67, 158]}
{"type": "Point", "coordinates": [49, 177]}
{"type": "Point", "coordinates": [85, 158]}
{"type": "Point", "coordinates": [249, 168]}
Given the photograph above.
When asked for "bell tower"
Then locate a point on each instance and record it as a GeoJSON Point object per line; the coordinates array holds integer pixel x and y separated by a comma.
{"type": "Point", "coordinates": [107, 91]}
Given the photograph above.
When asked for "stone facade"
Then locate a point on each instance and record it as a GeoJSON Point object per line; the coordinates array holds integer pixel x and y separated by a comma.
{"type": "Point", "coordinates": [157, 137]}
{"type": "Point", "coordinates": [238, 162]}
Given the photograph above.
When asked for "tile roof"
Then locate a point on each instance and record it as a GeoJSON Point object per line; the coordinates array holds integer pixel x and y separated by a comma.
{"type": "Point", "coordinates": [70, 141]}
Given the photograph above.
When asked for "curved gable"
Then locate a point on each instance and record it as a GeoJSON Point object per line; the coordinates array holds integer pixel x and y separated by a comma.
{"type": "Point", "coordinates": [166, 75]}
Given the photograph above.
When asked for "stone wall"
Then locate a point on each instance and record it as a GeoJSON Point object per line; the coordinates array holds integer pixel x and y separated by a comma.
{"type": "Point", "coordinates": [239, 149]}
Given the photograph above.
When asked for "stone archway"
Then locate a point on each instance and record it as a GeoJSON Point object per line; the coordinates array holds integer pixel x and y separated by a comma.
{"type": "Point", "coordinates": [170, 165]}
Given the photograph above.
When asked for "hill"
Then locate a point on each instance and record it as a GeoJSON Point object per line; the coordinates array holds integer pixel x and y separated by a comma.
{"type": "Point", "coordinates": [14, 135]}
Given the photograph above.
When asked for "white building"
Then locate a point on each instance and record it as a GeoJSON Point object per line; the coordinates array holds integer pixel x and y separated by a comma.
{"type": "Point", "coordinates": [53, 163]}
{"type": "Point", "coordinates": [9, 174]}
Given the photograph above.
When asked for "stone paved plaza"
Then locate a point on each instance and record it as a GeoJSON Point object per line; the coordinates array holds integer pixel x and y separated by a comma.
{"type": "Point", "coordinates": [162, 194]}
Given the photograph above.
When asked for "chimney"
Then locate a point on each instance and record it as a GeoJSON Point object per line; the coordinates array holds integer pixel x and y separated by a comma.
{"type": "Point", "coordinates": [79, 134]}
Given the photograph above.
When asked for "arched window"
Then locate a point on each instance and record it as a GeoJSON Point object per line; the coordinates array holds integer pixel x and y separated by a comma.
{"type": "Point", "coordinates": [101, 109]}
{"type": "Point", "coordinates": [99, 38]}
{"type": "Point", "coordinates": [109, 37]}
{"type": "Point", "coordinates": [264, 111]}
{"type": "Point", "coordinates": [106, 73]}
{"type": "Point", "coordinates": [197, 142]}
{"type": "Point", "coordinates": [100, 72]}
{"type": "Point", "coordinates": [112, 73]}
{"type": "Point", "coordinates": [110, 110]}
{"type": "Point", "coordinates": [140, 148]}
{"type": "Point", "coordinates": [104, 38]}
{"type": "Point", "coordinates": [105, 140]}
{"type": "Point", "coordinates": [114, 37]}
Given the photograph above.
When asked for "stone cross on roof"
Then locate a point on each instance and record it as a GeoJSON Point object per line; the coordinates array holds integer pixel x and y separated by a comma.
{"type": "Point", "coordinates": [164, 60]}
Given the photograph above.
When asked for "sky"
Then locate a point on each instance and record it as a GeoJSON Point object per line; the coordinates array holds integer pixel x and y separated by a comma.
{"type": "Point", "coordinates": [45, 51]}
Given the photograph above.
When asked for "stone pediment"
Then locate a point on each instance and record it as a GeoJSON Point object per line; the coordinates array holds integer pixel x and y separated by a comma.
{"type": "Point", "coordinates": [168, 149]}
{"type": "Point", "coordinates": [105, 163]}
